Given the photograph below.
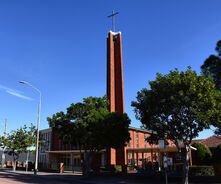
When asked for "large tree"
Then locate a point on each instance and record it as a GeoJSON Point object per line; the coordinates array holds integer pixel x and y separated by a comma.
{"type": "Point", "coordinates": [91, 127]}
{"type": "Point", "coordinates": [177, 107]}
{"type": "Point", "coordinates": [3, 145]}
{"type": "Point", "coordinates": [19, 141]}
{"type": "Point", "coordinates": [212, 66]}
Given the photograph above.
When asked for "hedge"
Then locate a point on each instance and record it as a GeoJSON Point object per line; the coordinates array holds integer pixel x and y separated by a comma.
{"type": "Point", "coordinates": [201, 171]}
{"type": "Point", "coordinates": [203, 154]}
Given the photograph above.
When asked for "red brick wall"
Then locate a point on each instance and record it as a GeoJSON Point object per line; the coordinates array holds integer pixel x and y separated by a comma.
{"type": "Point", "coordinates": [115, 83]}
{"type": "Point", "coordinates": [57, 144]}
{"type": "Point", "coordinates": [138, 136]}
{"type": "Point", "coordinates": [115, 86]}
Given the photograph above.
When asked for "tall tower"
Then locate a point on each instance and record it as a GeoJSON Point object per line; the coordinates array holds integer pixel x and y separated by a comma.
{"type": "Point", "coordinates": [115, 87]}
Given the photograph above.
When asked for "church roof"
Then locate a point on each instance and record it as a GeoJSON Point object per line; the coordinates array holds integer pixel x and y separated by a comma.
{"type": "Point", "coordinates": [140, 129]}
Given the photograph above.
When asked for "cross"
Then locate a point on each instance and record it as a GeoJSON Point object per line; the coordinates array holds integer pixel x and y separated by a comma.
{"type": "Point", "coordinates": [112, 16]}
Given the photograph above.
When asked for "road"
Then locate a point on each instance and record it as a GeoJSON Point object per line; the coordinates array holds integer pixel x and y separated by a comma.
{"type": "Point", "coordinates": [9, 177]}
{"type": "Point", "coordinates": [20, 177]}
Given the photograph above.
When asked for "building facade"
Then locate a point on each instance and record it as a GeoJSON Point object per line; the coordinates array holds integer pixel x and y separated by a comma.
{"type": "Point", "coordinates": [136, 153]}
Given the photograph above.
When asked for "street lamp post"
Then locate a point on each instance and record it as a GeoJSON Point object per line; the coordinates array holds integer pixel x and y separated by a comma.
{"type": "Point", "coordinates": [38, 124]}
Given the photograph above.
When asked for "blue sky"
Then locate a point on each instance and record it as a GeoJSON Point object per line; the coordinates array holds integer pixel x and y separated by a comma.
{"type": "Point", "coordinates": [60, 47]}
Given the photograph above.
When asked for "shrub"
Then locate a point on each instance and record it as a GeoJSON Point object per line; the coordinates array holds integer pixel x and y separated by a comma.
{"type": "Point", "coordinates": [203, 154]}
{"type": "Point", "coordinates": [201, 171]}
{"type": "Point", "coordinates": [217, 155]}
{"type": "Point", "coordinates": [118, 168]}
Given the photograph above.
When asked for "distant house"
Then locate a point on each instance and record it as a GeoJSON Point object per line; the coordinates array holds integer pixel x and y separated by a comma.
{"type": "Point", "coordinates": [211, 142]}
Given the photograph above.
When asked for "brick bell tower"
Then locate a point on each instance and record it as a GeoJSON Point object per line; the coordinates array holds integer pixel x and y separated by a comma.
{"type": "Point", "coordinates": [115, 86]}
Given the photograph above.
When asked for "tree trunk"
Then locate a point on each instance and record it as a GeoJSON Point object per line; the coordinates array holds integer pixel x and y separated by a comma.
{"type": "Point", "coordinates": [186, 165]}
{"type": "Point", "coordinates": [3, 158]}
{"type": "Point", "coordinates": [14, 165]}
{"type": "Point", "coordinates": [151, 151]}
{"type": "Point", "coordinates": [87, 163]}
{"type": "Point", "coordinates": [26, 165]}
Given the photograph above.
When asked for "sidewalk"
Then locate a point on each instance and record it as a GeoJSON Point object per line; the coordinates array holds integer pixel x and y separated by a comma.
{"type": "Point", "coordinates": [40, 173]}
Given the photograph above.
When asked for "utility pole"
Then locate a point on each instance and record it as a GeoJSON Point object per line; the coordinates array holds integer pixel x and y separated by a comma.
{"type": "Point", "coordinates": [5, 127]}
{"type": "Point", "coordinates": [3, 151]}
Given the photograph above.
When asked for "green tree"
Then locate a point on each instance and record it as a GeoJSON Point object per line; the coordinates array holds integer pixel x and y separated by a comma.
{"type": "Point", "coordinates": [217, 160]}
{"type": "Point", "coordinates": [217, 154]}
{"type": "Point", "coordinates": [177, 107]}
{"type": "Point", "coordinates": [91, 127]}
{"type": "Point", "coordinates": [19, 141]}
{"type": "Point", "coordinates": [3, 141]}
{"type": "Point", "coordinates": [212, 66]}
{"type": "Point", "coordinates": [3, 145]}
{"type": "Point", "coordinates": [203, 154]}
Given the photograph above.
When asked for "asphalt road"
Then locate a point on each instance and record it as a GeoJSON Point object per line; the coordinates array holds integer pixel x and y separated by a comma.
{"type": "Point", "coordinates": [9, 177]}
{"type": "Point", "coordinates": [19, 177]}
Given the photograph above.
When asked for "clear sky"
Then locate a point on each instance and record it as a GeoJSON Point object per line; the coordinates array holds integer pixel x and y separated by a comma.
{"type": "Point", "coordinates": [60, 47]}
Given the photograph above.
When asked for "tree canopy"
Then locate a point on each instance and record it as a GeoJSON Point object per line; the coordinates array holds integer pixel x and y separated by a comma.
{"type": "Point", "coordinates": [3, 141]}
{"type": "Point", "coordinates": [212, 66]}
{"type": "Point", "coordinates": [19, 141]}
{"type": "Point", "coordinates": [182, 103]}
{"type": "Point", "coordinates": [216, 154]}
{"type": "Point", "coordinates": [178, 106]}
{"type": "Point", "coordinates": [90, 126]}
{"type": "Point", "coordinates": [203, 154]}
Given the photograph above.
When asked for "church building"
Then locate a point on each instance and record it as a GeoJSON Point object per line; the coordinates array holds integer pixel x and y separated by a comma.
{"type": "Point", "coordinates": [137, 152]}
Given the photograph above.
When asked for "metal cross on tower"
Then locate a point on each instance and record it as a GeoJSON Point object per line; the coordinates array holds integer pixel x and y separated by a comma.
{"type": "Point", "coordinates": [112, 17]}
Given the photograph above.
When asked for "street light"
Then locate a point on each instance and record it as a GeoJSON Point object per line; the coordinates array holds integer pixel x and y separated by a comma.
{"type": "Point", "coordinates": [38, 125]}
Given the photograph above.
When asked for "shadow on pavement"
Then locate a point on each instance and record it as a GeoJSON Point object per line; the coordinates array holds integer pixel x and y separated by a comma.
{"type": "Point", "coordinates": [7, 177]}
{"type": "Point", "coordinates": [15, 177]}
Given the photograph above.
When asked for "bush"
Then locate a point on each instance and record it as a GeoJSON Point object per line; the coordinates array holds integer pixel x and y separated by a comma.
{"type": "Point", "coordinates": [201, 171]}
{"type": "Point", "coordinates": [217, 155]}
{"type": "Point", "coordinates": [118, 168]}
{"type": "Point", "coordinates": [203, 154]}
{"type": "Point", "coordinates": [217, 160]}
